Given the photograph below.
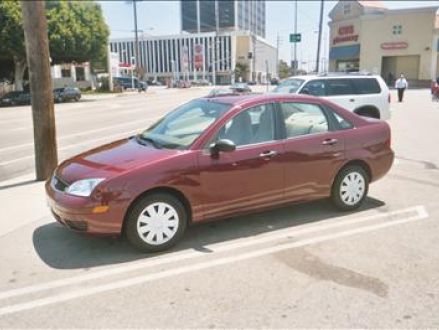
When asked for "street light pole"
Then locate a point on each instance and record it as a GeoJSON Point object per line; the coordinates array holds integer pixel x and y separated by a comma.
{"type": "Point", "coordinates": [319, 41]}
{"type": "Point", "coordinates": [295, 44]}
{"type": "Point", "coordinates": [136, 38]}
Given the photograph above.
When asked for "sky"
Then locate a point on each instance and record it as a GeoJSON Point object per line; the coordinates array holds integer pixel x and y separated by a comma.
{"type": "Point", "coordinates": [163, 18]}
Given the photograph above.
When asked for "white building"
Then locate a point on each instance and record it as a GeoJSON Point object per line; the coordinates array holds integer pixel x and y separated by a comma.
{"type": "Point", "coordinates": [72, 75]}
{"type": "Point", "coordinates": [198, 56]}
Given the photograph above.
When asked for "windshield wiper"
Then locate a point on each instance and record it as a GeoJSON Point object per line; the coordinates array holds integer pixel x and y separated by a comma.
{"type": "Point", "coordinates": [141, 139]}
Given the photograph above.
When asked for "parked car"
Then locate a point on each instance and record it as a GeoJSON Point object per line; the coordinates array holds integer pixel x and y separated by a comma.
{"type": "Point", "coordinates": [220, 157]}
{"type": "Point", "coordinates": [240, 88]}
{"type": "Point", "coordinates": [66, 94]}
{"type": "Point", "coordinates": [366, 95]}
{"type": "Point", "coordinates": [128, 82]}
{"type": "Point", "coordinates": [15, 98]}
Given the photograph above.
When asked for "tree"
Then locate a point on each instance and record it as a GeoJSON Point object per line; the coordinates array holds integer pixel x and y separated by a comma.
{"type": "Point", "coordinates": [77, 33]}
{"type": "Point", "coordinates": [241, 70]}
{"type": "Point", "coordinates": [284, 70]}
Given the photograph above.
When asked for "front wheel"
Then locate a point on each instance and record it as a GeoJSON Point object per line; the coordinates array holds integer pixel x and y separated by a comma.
{"type": "Point", "coordinates": [156, 222]}
{"type": "Point", "coordinates": [350, 188]}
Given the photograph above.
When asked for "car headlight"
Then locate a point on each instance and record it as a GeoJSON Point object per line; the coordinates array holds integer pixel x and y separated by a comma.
{"type": "Point", "coordinates": [83, 188]}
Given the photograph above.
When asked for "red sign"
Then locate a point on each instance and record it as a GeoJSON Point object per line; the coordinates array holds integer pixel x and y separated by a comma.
{"type": "Point", "coordinates": [344, 30]}
{"type": "Point", "coordinates": [394, 45]}
{"type": "Point", "coordinates": [198, 56]}
{"type": "Point", "coordinates": [345, 34]}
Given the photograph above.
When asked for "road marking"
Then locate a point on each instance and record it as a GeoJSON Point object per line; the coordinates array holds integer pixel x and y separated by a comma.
{"type": "Point", "coordinates": [82, 133]}
{"type": "Point", "coordinates": [88, 143]}
{"type": "Point", "coordinates": [57, 298]}
{"type": "Point", "coordinates": [418, 211]}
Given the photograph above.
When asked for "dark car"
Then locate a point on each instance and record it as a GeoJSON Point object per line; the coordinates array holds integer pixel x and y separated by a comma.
{"type": "Point", "coordinates": [128, 82]}
{"type": "Point", "coordinates": [66, 94]}
{"type": "Point", "coordinates": [15, 98]}
{"type": "Point", "coordinates": [220, 157]}
{"type": "Point", "coordinates": [240, 88]}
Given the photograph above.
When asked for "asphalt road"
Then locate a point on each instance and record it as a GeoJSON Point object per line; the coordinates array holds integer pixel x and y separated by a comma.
{"type": "Point", "coordinates": [91, 122]}
{"type": "Point", "coordinates": [303, 266]}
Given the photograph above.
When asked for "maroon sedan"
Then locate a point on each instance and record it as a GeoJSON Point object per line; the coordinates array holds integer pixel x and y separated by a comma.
{"type": "Point", "coordinates": [219, 157]}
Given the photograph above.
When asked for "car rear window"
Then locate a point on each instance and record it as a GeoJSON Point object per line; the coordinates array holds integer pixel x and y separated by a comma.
{"type": "Point", "coordinates": [366, 86]}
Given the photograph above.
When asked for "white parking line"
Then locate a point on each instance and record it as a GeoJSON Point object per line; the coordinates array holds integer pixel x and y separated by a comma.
{"type": "Point", "coordinates": [413, 213]}
{"type": "Point", "coordinates": [19, 146]}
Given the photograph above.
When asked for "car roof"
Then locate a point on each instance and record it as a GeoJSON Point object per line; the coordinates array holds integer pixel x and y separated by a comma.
{"type": "Point", "coordinates": [355, 75]}
{"type": "Point", "coordinates": [254, 98]}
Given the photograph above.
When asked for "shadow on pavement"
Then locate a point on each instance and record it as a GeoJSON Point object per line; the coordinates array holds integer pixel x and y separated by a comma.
{"type": "Point", "coordinates": [60, 248]}
{"type": "Point", "coordinates": [18, 184]}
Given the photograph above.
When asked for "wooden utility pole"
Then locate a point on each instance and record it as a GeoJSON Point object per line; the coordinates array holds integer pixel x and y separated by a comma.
{"type": "Point", "coordinates": [37, 50]}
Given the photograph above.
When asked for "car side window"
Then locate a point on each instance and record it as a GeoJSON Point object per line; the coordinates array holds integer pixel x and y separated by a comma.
{"type": "Point", "coordinates": [315, 88]}
{"type": "Point", "coordinates": [366, 85]}
{"type": "Point", "coordinates": [251, 126]}
{"type": "Point", "coordinates": [336, 87]}
{"type": "Point", "coordinates": [303, 119]}
{"type": "Point", "coordinates": [342, 122]}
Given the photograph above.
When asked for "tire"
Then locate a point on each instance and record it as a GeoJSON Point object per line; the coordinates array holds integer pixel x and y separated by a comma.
{"type": "Point", "coordinates": [350, 188]}
{"type": "Point", "coordinates": [146, 212]}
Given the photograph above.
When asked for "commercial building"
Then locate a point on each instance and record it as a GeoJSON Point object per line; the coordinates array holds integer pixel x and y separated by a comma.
{"type": "Point", "coordinates": [223, 16]}
{"type": "Point", "coordinates": [193, 56]}
{"type": "Point", "coordinates": [365, 35]}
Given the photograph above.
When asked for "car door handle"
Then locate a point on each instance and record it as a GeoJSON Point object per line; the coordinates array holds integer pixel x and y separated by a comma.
{"type": "Point", "coordinates": [329, 142]}
{"type": "Point", "coordinates": [351, 100]}
{"type": "Point", "coordinates": [268, 154]}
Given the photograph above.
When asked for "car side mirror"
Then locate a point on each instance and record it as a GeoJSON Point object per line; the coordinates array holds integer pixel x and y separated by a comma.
{"type": "Point", "coordinates": [223, 145]}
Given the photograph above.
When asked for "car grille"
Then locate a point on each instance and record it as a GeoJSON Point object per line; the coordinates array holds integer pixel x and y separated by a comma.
{"type": "Point", "coordinates": [59, 184]}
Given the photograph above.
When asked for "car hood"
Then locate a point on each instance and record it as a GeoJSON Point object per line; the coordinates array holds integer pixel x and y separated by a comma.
{"type": "Point", "coordinates": [110, 160]}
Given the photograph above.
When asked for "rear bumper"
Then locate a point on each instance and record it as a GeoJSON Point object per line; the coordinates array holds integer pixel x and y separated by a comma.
{"type": "Point", "coordinates": [381, 164]}
{"type": "Point", "coordinates": [76, 213]}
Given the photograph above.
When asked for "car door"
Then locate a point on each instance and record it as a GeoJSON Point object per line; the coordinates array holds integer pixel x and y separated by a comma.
{"type": "Point", "coordinates": [251, 177]}
{"type": "Point", "coordinates": [313, 150]}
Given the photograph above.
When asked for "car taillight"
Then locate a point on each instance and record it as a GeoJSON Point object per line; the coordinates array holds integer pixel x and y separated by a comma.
{"type": "Point", "coordinates": [389, 98]}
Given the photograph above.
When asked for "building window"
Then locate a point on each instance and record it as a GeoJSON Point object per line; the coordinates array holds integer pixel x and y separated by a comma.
{"type": "Point", "coordinates": [397, 29]}
{"type": "Point", "coordinates": [346, 8]}
{"type": "Point", "coordinates": [80, 74]}
{"type": "Point", "coordinates": [66, 73]}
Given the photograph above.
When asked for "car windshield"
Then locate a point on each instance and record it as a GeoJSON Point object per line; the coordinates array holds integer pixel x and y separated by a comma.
{"type": "Point", "coordinates": [180, 128]}
{"type": "Point", "coordinates": [289, 86]}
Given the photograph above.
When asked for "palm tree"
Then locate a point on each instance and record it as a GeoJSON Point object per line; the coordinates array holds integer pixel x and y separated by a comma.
{"type": "Point", "coordinates": [241, 70]}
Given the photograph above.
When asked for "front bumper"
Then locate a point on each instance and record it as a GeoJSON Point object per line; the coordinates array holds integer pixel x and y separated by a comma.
{"type": "Point", "coordinates": [76, 213]}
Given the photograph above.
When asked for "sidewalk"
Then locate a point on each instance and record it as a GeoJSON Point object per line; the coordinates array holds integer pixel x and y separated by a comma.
{"type": "Point", "coordinates": [23, 201]}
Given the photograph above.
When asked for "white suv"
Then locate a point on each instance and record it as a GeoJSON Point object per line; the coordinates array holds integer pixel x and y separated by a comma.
{"type": "Point", "coordinates": [366, 95]}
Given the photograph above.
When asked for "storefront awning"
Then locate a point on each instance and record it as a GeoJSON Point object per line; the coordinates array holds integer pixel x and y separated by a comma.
{"type": "Point", "coordinates": [344, 52]}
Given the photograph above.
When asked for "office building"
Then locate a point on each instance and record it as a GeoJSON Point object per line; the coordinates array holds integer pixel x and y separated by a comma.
{"type": "Point", "coordinates": [193, 56]}
{"type": "Point", "coordinates": [223, 16]}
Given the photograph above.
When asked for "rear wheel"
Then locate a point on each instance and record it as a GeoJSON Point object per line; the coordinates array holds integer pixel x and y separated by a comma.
{"type": "Point", "coordinates": [156, 222]}
{"type": "Point", "coordinates": [350, 188]}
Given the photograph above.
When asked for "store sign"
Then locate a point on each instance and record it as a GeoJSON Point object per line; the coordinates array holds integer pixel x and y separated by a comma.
{"type": "Point", "coordinates": [198, 56]}
{"type": "Point", "coordinates": [394, 45]}
{"type": "Point", "coordinates": [345, 34]}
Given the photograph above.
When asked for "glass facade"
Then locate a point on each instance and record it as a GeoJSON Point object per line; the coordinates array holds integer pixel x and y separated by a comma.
{"type": "Point", "coordinates": [189, 15]}
{"type": "Point", "coordinates": [210, 15]}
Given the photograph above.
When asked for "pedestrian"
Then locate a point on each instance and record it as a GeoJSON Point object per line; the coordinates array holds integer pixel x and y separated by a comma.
{"type": "Point", "coordinates": [401, 84]}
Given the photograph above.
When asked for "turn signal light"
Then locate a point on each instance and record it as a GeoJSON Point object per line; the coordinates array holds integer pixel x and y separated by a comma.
{"type": "Point", "coordinates": [100, 209]}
